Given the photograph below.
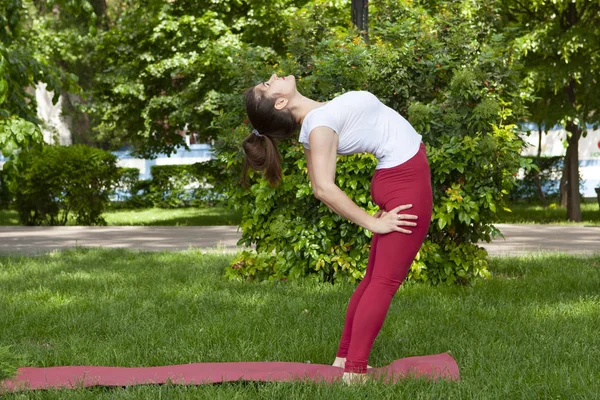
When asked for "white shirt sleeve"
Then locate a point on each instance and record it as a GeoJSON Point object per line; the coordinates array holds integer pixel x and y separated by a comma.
{"type": "Point", "coordinates": [317, 119]}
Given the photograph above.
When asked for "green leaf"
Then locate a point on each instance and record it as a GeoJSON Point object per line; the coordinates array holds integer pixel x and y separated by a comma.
{"type": "Point", "coordinates": [3, 90]}
{"type": "Point", "coordinates": [9, 148]}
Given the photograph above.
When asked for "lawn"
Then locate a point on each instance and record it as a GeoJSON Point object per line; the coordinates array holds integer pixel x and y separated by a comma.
{"type": "Point", "coordinates": [529, 332]}
{"type": "Point", "coordinates": [155, 217]}
{"type": "Point", "coordinates": [523, 213]}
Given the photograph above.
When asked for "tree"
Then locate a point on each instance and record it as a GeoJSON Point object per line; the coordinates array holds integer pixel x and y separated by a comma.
{"type": "Point", "coordinates": [559, 42]}
{"type": "Point", "coordinates": [26, 48]}
{"type": "Point", "coordinates": [445, 66]}
{"type": "Point", "coordinates": [159, 65]}
{"type": "Point", "coordinates": [68, 31]}
{"type": "Point", "coordinates": [22, 65]}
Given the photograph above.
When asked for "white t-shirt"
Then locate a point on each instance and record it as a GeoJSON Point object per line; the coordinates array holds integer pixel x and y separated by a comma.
{"type": "Point", "coordinates": [365, 125]}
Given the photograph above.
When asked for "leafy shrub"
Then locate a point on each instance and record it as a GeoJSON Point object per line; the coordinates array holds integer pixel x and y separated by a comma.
{"type": "Point", "coordinates": [437, 67]}
{"type": "Point", "coordinates": [139, 195]}
{"type": "Point", "coordinates": [174, 186]}
{"type": "Point", "coordinates": [171, 186]}
{"type": "Point", "coordinates": [129, 191]}
{"type": "Point", "coordinates": [126, 182]}
{"type": "Point", "coordinates": [55, 183]}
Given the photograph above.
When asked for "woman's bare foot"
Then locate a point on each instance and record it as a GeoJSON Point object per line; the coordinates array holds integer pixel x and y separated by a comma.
{"type": "Point", "coordinates": [341, 363]}
{"type": "Point", "coordinates": [352, 378]}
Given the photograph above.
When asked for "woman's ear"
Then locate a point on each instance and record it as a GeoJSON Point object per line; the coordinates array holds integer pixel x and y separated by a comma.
{"type": "Point", "coordinates": [281, 103]}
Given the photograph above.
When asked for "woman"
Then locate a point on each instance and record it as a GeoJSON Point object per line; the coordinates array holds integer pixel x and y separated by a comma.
{"type": "Point", "coordinates": [354, 122]}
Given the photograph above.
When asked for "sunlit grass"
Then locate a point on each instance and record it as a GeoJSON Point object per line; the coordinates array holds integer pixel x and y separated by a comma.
{"type": "Point", "coordinates": [174, 217]}
{"type": "Point", "coordinates": [529, 332]}
{"type": "Point", "coordinates": [522, 213]}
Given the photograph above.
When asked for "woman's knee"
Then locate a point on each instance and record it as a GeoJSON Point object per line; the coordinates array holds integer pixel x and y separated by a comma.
{"type": "Point", "coordinates": [386, 284]}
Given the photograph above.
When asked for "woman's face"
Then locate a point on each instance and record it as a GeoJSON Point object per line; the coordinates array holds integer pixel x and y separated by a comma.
{"type": "Point", "coordinates": [278, 86]}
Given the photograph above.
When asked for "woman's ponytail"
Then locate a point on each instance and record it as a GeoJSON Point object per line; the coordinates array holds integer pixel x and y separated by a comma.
{"type": "Point", "coordinates": [262, 155]}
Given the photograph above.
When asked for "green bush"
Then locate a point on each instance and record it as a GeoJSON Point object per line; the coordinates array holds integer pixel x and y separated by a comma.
{"type": "Point", "coordinates": [129, 191]}
{"type": "Point", "coordinates": [171, 186]}
{"type": "Point", "coordinates": [140, 197]}
{"type": "Point", "coordinates": [186, 185]}
{"type": "Point", "coordinates": [56, 183]}
{"type": "Point", "coordinates": [436, 66]}
{"type": "Point", "coordinates": [127, 180]}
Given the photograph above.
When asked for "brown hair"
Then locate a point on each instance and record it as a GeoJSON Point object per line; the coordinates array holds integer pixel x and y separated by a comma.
{"type": "Point", "coordinates": [272, 125]}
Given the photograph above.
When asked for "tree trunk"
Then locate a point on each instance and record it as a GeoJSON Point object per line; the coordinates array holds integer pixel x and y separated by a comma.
{"type": "Point", "coordinates": [538, 184]}
{"type": "Point", "coordinates": [572, 159]}
{"type": "Point", "coordinates": [100, 8]}
{"type": "Point", "coordinates": [563, 182]}
{"type": "Point", "coordinates": [573, 195]}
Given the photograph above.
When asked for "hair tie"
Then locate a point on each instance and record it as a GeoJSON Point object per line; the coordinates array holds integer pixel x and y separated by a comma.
{"type": "Point", "coordinates": [256, 133]}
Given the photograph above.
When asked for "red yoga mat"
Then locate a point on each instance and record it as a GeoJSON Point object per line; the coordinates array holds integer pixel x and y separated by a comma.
{"type": "Point", "coordinates": [439, 366]}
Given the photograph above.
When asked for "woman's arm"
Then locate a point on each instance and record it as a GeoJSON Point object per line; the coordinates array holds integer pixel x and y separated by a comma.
{"type": "Point", "coordinates": [321, 160]}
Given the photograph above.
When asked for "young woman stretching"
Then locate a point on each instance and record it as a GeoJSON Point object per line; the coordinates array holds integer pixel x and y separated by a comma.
{"type": "Point", "coordinates": [355, 122]}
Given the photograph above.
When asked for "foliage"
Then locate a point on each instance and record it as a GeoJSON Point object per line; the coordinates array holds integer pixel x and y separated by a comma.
{"type": "Point", "coordinates": [5, 196]}
{"type": "Point", "coordinates": [437, 65]}
{"type": "Point", "coordinates": [149, 70]}
{"type": "Point", "coordinates": [22, 66]}
{"type": "Point", "coordinates": [159, 70]}
{"type": "Point", "coordinates": [55, 183]}
{"type": "Point", "coordinates": [160, 66]}
{"type": "Point", "coordinates": [171, 186]}
{"type": "Point", "coordinates": [181, 185]}
{"type": "Point", "coordinates": [546, 174]}
{"type": "Point", "coordinates": [558, 43]}
{"type": "Point", "coordinates": [127, 181]}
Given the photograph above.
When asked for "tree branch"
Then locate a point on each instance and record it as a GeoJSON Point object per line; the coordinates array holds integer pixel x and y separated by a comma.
{"type": "Point", "coordinates": [593, 13]}
{"type": "Point", "coordinates": [585, 6]}
{"type": "Point", "coordinates": [526, 10]}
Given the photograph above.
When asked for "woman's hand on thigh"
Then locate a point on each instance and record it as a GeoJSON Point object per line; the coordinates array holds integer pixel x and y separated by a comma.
{"type": "Point", "coordinates": [394, 220]}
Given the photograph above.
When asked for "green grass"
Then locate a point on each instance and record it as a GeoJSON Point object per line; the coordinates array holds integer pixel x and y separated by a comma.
{"type": "Point", "coordinates": [529, 332]}
{"type": "Point", "coordinates": [523, 213]}
{"type": "Point", "coordinates": [173, 217]}
{"type": "Point", "coordinates": [155, 217]}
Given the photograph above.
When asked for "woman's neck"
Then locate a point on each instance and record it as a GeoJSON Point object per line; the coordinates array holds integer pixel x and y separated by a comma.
{"type": "Point", "coordinates": [300, 106]}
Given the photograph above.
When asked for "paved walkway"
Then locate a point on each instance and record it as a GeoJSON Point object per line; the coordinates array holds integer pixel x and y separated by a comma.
{"type": "Point", "coordinates": [520, 239]}
{"type": "Point", "coordinates": [523, 239]}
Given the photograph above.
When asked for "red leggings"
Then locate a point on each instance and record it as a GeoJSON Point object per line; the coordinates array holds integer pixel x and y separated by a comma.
{"type": "Point", "coordinates": [390, 257]}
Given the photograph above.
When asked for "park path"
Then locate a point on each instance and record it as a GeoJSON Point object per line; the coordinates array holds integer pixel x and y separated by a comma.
{"type": "Point", "coordinates": [520, 239]}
